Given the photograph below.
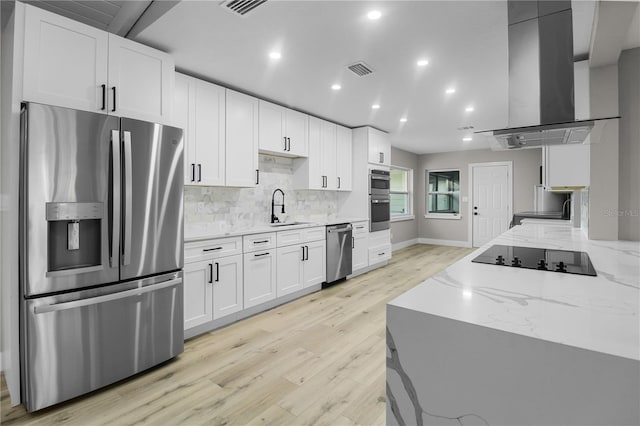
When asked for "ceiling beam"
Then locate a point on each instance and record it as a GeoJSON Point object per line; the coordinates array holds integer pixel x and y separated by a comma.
{"type": "Point", "coordinates": [610, 28]}
{"type": "Point", "coordinates": [129, 13]}
{"type": "Point", "coordinates": [151, 14]}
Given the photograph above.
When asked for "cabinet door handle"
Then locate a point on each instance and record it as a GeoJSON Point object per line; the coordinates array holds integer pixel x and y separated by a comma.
{"type": "Point", "coordinates": [113, 89]}
{"type": "Point", "coordinates": [257, 177]}
{"type": "Point", "coordinates": [381, 157]}
{"type": "Point", "coordinates": [193, 172]}
{"type": "Point", "coordinates": [339, 182]}
{"type": "Point", "coordinates": [289, 143]}
{"type": "Point", "coordinates": [217, 272]}
{"type": "Point", "coordinates": [307, 252]}
{"type": "Point", "coordinates": [213, 249]}
{"type": "Point", "coordinates": [104, 97]}
{"type": "Point", "coordinates": [261, 254]}
{"type": "Point", "coordinates": [261, 242]}
{"type": "Point", "coordinates": [199, 172]}
{"type": "Point", "coordinates": [302, 253]}
{"type": "Point", "coordinates": [353, 242]}
{"type": "Point", "coordinates": [284, 138]}
{"type": "Point", "coordinates": [210, 273]}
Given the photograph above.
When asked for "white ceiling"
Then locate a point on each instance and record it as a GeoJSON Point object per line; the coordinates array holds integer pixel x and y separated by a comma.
{"type": "Point", "coordinates": [465, 43]}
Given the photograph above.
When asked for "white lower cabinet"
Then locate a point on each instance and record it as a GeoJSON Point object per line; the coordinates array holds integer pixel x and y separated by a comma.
{"type": "Point", "coordinates": [259, 277]}
{"type": "Point", "coordinates": [227, 286]}
{"type": "Point", "coordinates": [198, 301]}
{"type": "Point", "coordinates": [315, 264]}
{"type": "Point", "coordinates": [360, 252]}
{"type": "Point", "coordinates": [301, 266]}
{"type": "Point", "coordinates": [290, 266]}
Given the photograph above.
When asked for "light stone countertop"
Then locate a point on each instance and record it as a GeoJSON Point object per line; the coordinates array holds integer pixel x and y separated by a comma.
{"type": "Point", "coordinates": [200, 231]}
{"type": "Point", "coordinates": [594, 313]}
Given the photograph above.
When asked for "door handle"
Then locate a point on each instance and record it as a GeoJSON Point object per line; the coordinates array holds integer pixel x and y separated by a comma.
{"type": "Point", "coordinates": [353, 242]}
{"type": "Point", "coordinates": [475, 207]}
{"type": "Point", "coordinates": [339, 182]}
{"type": "Point", "coordinates": [380, 157]}
{"type": "Point", "coordinates": [284, 138]}
{"type": "Point", "coordinates": [217, 272]}
{"type": "Point", "coordinates": [199, 172]}
{"type": "Point", "coordinates": [106, 298]}
{"type": "Point", "coordinates": [104, 97]}
{"type": "Point", "coordinates": [115, 199]}
{"type": "Point", "coordinates": [257, 177]}
{"type": "Point", "coordinates": [302, 253]}
{"type": "Point", "coordinates": [261, 254]}
{"type": "Point", "coordinates": [193, 172]}
{"type": "Point", "coordinates": [213, 249]}
{"type": "Point", "coordinates": [307, 252]}
{"type": "Point", "coordinates": [113, 89]}
{"type": "Point", "coordinates": [210, 273]}
{"type": "Point", "coordinates": [475, 213]}
{"type": "Point", "coordinates": [289, 142]}
{"type": "Point", "coordinates": [128, 198]}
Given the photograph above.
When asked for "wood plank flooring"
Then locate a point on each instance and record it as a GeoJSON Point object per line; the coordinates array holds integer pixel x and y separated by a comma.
{"type": "Point", "coordinates": [317, 360]}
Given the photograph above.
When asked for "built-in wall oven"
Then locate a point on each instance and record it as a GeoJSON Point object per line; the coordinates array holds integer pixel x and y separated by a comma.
{"type": "Point", "coordinates": [379, 199]}
{"type": "Point", "coordinates": [379, 182]}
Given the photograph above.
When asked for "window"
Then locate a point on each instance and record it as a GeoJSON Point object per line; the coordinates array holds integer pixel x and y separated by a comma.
{"type": "Point", "coordinates": [443, 194]}
{"type": "Point", "coordinates": [401, 193]}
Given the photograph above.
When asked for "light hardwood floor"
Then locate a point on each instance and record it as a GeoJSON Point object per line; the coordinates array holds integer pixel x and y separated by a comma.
{"type": "Point", "coordinates": [317, 360]}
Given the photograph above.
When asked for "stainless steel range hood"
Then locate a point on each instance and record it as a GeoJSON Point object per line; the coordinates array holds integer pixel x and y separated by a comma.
{"type": "Point", "coordinates": [541, 78]}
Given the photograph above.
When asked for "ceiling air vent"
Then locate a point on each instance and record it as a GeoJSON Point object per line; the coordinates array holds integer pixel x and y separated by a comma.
{"type": "Point", "coordinates": [241, 7]}
{"type": "Point", "coordinates": [360, 68]}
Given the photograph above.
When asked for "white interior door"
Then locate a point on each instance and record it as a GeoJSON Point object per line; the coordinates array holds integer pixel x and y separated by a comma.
{"type": "Point", "coordinates": [491, 201]}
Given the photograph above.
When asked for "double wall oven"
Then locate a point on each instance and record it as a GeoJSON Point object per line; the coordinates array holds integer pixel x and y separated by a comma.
{"type": "Point", "coordinates": [379, 199]}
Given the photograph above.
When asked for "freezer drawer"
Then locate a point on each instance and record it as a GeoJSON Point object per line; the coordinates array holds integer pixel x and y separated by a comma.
{"type": "Point", "coordinates": [82, 341]}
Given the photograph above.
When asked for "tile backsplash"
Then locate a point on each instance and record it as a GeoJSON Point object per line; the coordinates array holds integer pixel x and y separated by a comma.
{"type": "Point", "coordinates": [230, 209]}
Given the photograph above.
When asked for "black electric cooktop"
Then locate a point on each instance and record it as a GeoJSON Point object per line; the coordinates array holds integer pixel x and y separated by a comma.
{"type": "Point", "coordinates": [562, 261]}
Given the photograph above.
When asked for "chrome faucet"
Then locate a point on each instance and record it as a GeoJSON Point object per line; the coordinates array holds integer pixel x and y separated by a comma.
{"type": "Point", "coordinates": [274, 218]}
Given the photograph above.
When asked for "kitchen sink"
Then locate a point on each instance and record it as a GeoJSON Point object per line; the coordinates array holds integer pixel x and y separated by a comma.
{"type": "Point", "coordinates": [289, 224]}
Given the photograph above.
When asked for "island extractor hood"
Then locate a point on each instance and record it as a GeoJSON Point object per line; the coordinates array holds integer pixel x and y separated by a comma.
{"type": "Point", "coordinates": [541, 79]}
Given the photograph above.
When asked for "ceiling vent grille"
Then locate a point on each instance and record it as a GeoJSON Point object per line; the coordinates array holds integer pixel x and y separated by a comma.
{"type": "Point", "coordinates": [241, 7]}
{"type": "Point", "coordinates": [360, 68]}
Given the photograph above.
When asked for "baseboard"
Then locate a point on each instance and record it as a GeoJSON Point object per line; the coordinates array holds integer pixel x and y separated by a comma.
{"type": "Point", "coordinates": [453, 243]}
{"type": "Point", "coordinates": [403, 244]}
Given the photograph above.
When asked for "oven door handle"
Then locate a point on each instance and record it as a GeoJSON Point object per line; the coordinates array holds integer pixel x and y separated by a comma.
{"type": "Point", "coordinates": [380, 201]}
{"type": "Point", "coordinates": [106, 298]}
{"type": "Point", "coordinates": [376, 177]}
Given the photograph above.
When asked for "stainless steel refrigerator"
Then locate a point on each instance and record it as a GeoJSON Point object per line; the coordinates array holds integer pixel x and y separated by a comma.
{"type": "Point", "coordinates": [101, 250]}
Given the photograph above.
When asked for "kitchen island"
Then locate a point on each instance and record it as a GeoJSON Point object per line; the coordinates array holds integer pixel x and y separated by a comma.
{"type": "Point", "coordinates": [488, 344]}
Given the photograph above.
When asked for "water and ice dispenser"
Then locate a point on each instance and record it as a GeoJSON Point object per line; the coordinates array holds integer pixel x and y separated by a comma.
{"type": "Point", "coordinates": [74, 236]}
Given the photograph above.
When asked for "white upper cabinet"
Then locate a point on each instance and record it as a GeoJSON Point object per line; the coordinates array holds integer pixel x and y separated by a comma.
{"type": "Point", "coordinates": [65, 62]}
{"type": "Point", "coordinates": [73, 65]}
{"type": "Point", "coordinates": [282, 131]}
{"type": "Point", "coordinates": [328, 167]}
{"type": "Point", "coordinates": [140, 81]}
{"type": "Point", "coordinates": [379, 147]}
{"type": "Point", "coordinates": [199, 109]}
{"type": "Point", "coordinates": [344, 150]}
{"type": "Point", "coordinates": [242, 140]}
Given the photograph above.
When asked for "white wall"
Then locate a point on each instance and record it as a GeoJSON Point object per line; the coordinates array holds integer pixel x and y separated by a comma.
{"type": "Point", "coordinates": [603, 189]}
{"type": "Point", "coordinates": [526, 174]}
{"type": "Point", "coordinates": [629, 171]}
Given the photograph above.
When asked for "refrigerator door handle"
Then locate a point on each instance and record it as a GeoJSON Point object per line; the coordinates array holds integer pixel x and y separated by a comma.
{"type": "Point", "coordinates": [128, 215]}
{"type": "Point", "coordinates": [114, 258]}
{"type": "Point", "coordinates": [106, 298]}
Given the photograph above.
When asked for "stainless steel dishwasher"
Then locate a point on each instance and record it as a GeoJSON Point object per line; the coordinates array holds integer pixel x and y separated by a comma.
{"type": "Point", "coordinates": [339, 245]}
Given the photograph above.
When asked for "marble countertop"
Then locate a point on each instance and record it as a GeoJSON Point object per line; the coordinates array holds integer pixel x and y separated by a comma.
{"type": "Point", "coordinates": [203, 231]}
{"type": "Point", "coordinates": [594, 313]}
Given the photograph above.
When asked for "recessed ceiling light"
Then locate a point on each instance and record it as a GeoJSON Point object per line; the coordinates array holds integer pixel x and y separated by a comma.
{"type": "Point", "coordinates": [450, 91]}
{"type": "Point", "coordinates": [403, 120]}
{"type": "Point", "coordinates": [423, 62]}
{"type": "Point", "coordinates": [469, 109]}
{"type": "Point", "coordinates": [336, 87]}
{"type": "Point", "coordinates": [467, 139]}
{"type": "Point", "coordinates": [374, 14]}
{"type": "Point", "coordinates": [375, 106]}
{"type": "Point", "coordinates": [275, 55]}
